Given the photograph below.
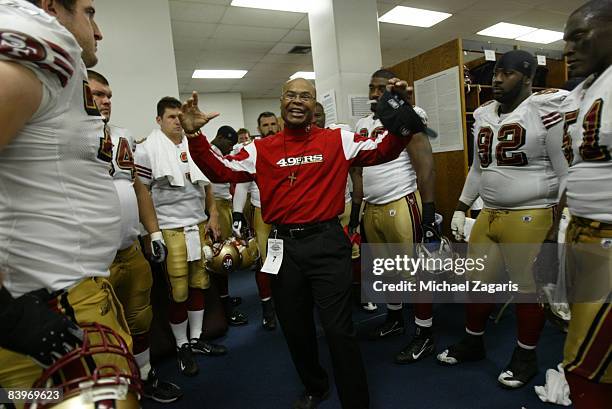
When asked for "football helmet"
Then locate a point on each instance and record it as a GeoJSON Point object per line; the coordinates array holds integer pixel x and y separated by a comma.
{"type": "Point", "coordinates": [222, 257]}
{"type": "Point", "coordinates": [249, 253]}
{"type": "Point", "coordinates": [100, 373]}
{"type": "Point", "coordinates": [435, 255]}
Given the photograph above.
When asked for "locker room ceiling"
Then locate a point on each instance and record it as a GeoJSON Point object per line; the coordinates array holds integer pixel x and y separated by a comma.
{"type": "Point", "coordinates": [211, 34]}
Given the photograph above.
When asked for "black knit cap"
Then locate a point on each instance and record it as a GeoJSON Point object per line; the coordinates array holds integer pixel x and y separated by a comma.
{"type": "Point", "coordinates": [518, 60]}
{"type": "Point", "coordinates": [228, 132]}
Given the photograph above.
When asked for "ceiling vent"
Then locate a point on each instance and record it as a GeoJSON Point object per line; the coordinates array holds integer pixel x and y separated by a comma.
{"type": "Point", "coordinates": [300, 49]}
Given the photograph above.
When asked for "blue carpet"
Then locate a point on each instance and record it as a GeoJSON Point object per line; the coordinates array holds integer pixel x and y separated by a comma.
{"type": "Point", "coordinates": [258, 373]}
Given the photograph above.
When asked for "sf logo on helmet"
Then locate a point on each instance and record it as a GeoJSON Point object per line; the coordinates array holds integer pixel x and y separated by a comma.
{"type": "Point", "coordinates": [228, 263]}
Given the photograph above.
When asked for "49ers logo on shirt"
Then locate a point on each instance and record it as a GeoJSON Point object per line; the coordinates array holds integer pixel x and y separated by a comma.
{"type": "Point", "coordinates": [300, 160]}
{"type": "Point", "coordinates": [21, 46]}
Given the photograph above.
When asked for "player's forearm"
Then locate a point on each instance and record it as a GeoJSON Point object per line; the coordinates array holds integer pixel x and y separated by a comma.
{"type": "Point", "coordinates": [210, 203]}
{"type": "Point", "coordinates": [20, 97]}
{"type": "Point", "coordinates": [240, 197]}
{"type": "Point", "coordinates": [421, 156]}
{"type": "Point", "coordinates": [146, 209]}
{"type": "Point", "coordinates": [356, 174]}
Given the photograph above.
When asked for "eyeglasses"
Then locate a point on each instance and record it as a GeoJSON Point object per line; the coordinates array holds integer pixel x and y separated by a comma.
{"type": "Point", "coordinates": [292, 96]}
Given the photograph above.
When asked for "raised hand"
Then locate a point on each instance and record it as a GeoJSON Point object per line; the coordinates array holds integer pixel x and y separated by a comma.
{"type": "Point", "coordinates": [192, 119]}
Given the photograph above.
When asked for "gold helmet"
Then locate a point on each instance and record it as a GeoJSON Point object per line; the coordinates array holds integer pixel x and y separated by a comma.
{"type": "Point", "coordinates": [221, 258]}
{"type": "Point", "coordinates": [249, 253]}
{"type": "Point", "coordinates": [101, 369]}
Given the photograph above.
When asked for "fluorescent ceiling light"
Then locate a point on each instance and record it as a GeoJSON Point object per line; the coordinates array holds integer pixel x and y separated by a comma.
{"type": "Point", "coordinates": [522, 33]}
{"type": "Point", "coordinates": [308, 75]}
{"type": "Point", "coordinates": [506, 30]}
{"type": "Point", "coordinates": [296, 6]}
{"type": "Point", "coordinates": [542, 36]}
{"type": "Point", "coordinates": [219, 73]}
{"type": "Point", "coordinates": [410, 16]}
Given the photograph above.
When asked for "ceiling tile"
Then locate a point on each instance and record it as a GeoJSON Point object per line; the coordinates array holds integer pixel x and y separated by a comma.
{"type": "Point", "coordinates": [230, 32]}
{"type": "Point", "coordinates": [198, 12]}
{"type": "Point", "coordinates": [287, 58]}
{"type": "Point", "coordinates": [261, 18]}
{"type": "Point", "coordinates": [303, 24]}
{"type": "Point", "coordinates": [237, 46]}
{"type": "Point", "coordinates": [191, 29]}
{"type": "Point", "coordinates": [297, 36]}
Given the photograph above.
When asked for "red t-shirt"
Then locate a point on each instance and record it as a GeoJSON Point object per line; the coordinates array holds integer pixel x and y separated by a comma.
{"type": "Point", "coordinates": [301, 173]}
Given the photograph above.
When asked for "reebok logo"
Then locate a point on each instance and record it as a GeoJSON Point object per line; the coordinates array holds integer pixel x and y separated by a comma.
{"type": "Point", "coordinates": [293, 161]}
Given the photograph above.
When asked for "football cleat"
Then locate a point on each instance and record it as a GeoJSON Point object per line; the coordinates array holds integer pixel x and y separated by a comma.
{"type": "Point", "coordinates": [186, 361]}
{"type": "Point", "coordinates": [269, 316]}
{"type": "Point", "coordinates": [369, 307]}
{"type": "Point", "coordinates": [470, 348]}
{"type": "Point", "coordinates": [522, 368]}
{"type": "Point", "coordinates": [199, 346]}
{"type": "Point", "coordinates": [237, 318]}
{"type": "Point", "coordinates": [421, 345]}
{"type": "Point", "coordinates": [392, 326]}
{"type": "Point", "coordinates": [160, 391]}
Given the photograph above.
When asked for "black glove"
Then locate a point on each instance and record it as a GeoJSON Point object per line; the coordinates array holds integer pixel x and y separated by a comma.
{"type": "Point", "coordinates": [428, 224]}
{"type": "Point", "coordinates": [397, 116]}
{"type": "Point", "coordinates": [29, 327]}
{"type": "Point", "coordinates": [239, 224]}
{"type": "Point", "coordinates": [158, 248]}
{"type": "Point", "coordinates": [355, 216]}
{"type": "Point", "coordinates": [546, 264]}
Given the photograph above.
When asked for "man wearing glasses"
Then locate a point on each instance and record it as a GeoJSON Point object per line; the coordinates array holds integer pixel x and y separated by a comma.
{"type": "Point", "coordinates": [301, 173]}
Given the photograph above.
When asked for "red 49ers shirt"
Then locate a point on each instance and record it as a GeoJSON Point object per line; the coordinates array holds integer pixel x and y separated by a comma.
{"type": "Point", "coordinates": [301, 173]}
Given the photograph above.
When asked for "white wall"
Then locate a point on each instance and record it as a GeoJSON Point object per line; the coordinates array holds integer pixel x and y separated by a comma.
{"type": "Point", "coordinates": [253, 107]}
{"type": "Point", "coordinates": [137, 57]}
{"type": "Point", "coordinates": [228, 104]}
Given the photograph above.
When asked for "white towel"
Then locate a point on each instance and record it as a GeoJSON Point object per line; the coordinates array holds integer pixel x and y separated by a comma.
{"type": "Point", "coordinates": [192, 242]}
{"type": "Point", "coordinates": [165, 161]}
{"type": "Point", "coordinates": [556, 389]}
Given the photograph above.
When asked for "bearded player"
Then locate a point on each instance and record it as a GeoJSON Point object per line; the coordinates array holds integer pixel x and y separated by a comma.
{"type": "Point", "coordinates": [59, 210]}
{"type": "Point", "coordinates": [518, 170]}
{"type": "Point", "coordinates": [131, 275]}
{"type": "Point", "coordinates": [267, 125]}
{"type": "Point", "coordinates": [588, 149]}
{"type": "Point", "coordinates": [399, 209]}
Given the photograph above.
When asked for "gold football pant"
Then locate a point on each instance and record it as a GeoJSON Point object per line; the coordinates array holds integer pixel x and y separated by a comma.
{"type": "Point", "coordinates": [345, 217]}
{"type": "Point", "coordinates": [509, 240]}
{"type": "Point", "coordinates": [588, 346]}
{"type": "Point", "coordinates": [224, 207]}
{"type": "Point", "coordinates": [262, 231]}
{"type": "Point", "coordinates": [183, 274]}
{"type": "Point", "coordinates": [91, 300]}
{"type": "Point", "coordinates": [132, 280]}
{"type": "Point", "coordinates": [395, 222]}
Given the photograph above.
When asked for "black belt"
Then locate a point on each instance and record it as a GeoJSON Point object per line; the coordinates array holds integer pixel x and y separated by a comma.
{"type": "Point", "coordinates": [298, 231]}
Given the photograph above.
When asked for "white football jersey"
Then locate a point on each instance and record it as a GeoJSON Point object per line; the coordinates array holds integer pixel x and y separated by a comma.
{"type": "Point", "coordinates": [59, 211]}
{"type": "Point", "coordinates": [588, 148]}
{"type": "Point", "coordinates": [175, 206]}
{"type": "Point", "coordinates": [518, 162]}
{"type": "Point", "coordinates": [389, 181]}
{"type": "Point", "coordinates": [220, 190]}
{"type": "Point", "coordinates": [123, 173]}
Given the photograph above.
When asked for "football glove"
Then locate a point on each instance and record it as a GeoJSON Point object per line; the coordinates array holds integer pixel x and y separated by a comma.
{"type": "Point", "coordinates": [398, 116]}
{"type": "Point", "coordinates": [29, 327]}
{"type": "Point", "coordinates": [158, 248]}
{"type": "Point", "coordinates": [239, 224]}
{"type": "Point", "coordinates": [458, 225]}
{"type": "Point", "coordinates": [430, 230]}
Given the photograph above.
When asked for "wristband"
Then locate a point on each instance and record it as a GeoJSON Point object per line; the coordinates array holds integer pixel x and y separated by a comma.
{"type": "Point", "coordinates": [157, 236]}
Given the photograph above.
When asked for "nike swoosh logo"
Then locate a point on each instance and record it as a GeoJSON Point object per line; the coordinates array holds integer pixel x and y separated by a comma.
{"type": "Point", "coordinates": [182, 366]}
{"type": "Point", "coordinates": [383, 333]}
{"type": "Point", "coordinates": [416, 356]}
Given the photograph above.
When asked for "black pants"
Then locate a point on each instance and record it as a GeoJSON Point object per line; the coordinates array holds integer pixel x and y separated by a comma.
{"type": "Point", "coordinates": [317, 270]}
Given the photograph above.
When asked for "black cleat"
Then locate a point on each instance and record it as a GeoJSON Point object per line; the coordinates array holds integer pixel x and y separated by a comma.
{"type": "Point", "coordinates": [160, 391]}
{"type": "Point", "coordinates": [310, 400]}
{"type": "Point", "coordinates": [393, 325]}
{"type": "Point", "coordinates": [187, 363]}
{"type": "Point", "coordinates": [198, 346]}
{"type": "Point", "coordinates": [236, 318]}
{"type": "Point", "coordinates": [269, 316]}
{"type": "Point", "coordinates": [235, 301]}
{"type": "Point", "coordinates": [421, 345]}
{"type": "Point", "coordinates": [522, 368]}
{"type": "Point", "coordinates": [470, 348]}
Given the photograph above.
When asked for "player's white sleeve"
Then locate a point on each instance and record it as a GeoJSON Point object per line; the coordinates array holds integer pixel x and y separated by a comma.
{"type": "Point", "coordinates": [142, 163]}
{"type": "Point", "coordinates": [548, 103]}
{"type": "Point", "coordinates": [472, 184]}
{"type": "Point", "coordinates": [240, 196]}
{"type": "Point", "coordinates": [32, 38]}
{"type": "Point", "coordinates": [554, 148]}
